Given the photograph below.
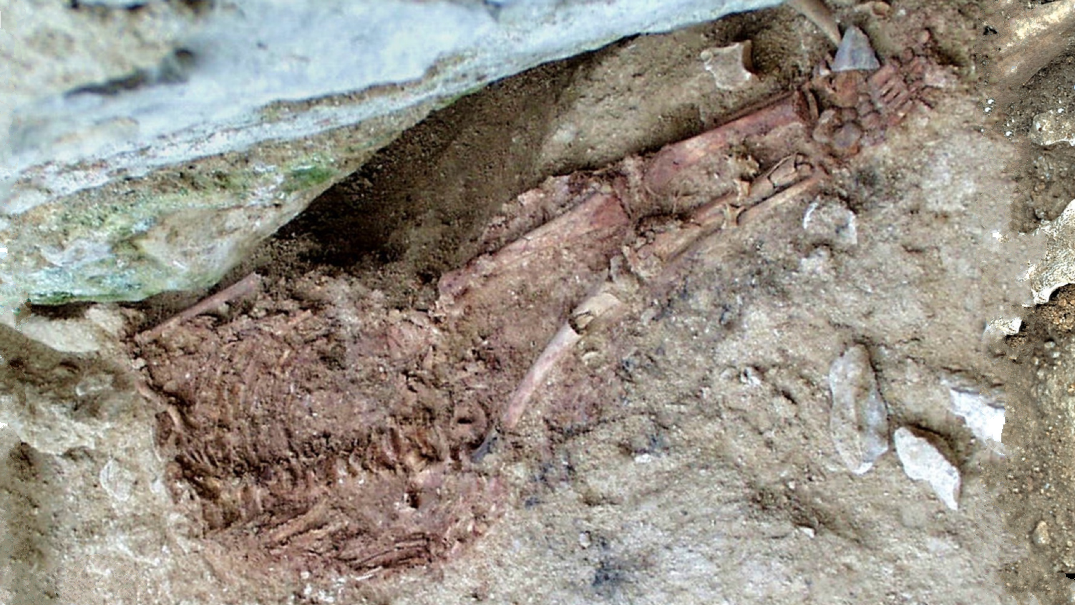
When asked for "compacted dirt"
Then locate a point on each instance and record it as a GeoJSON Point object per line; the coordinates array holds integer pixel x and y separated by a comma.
{"type": "Point", "coordinates": [459, 377]}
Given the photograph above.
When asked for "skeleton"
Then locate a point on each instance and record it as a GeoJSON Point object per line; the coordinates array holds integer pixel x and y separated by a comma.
{"type": "Point", "coordinates": [448, 386]}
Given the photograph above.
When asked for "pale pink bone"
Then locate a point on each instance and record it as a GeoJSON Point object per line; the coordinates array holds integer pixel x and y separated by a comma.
{"type": "Point", "coordinates": [793, 180]}
{"type": "Point", "coordinates": [800, 189]}
{"type": "Point", "coordinates": [600, 212]}
{"type": "Point", "coordinates": [566, 338]}
{"type": "Point", "coordinates": [240, 288]}
{"type": "Point", "coordinates": [666, 248]}
{"type": "Point", "coordinates": [601, 304]}
{"type": "Point", "coordinates": [678, 157]}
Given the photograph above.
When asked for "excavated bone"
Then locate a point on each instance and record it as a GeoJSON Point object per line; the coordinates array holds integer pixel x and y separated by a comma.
{"type": "Point", "coordinates": [1057, 267]}
{"type": "Point", "coordinates": [730, 65]}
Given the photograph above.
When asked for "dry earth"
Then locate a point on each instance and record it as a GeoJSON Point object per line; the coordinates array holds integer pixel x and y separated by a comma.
{"type": "Point", "coordinates": [680, 451]}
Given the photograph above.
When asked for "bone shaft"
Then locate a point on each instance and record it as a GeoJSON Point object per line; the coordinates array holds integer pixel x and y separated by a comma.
{"type": "Point", "coordinates": [666, 167]}
{"type": "Point", "coordinates": [559, 346]}
{"type": "Point", "coordinates": [240, 288]}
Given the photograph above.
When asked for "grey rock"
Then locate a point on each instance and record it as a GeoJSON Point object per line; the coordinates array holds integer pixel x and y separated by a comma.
{"type": "Point", "coordinates": [855, 52]}
{"type": "Point", "coordinates": [111, 139]}
{"type": "Point", "coordinates": [859, 419]}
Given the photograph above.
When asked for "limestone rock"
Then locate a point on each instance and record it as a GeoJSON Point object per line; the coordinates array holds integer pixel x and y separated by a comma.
{"type": "Point", "coordinates": [923, 462]}
{"type": "Point", "coordinates": [859, 420]}
{"type": "Point", "coordinates": [982, 411]}
{"type": "Point", "coordinates": [163, 140]}
{"type": "Point", "coordinates": [1004, 326]}
{"type": "Point", "coordinates": [1056, 267]}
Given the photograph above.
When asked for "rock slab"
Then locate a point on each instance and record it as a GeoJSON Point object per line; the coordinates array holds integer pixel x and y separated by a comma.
{"type": "Point", "coordinates": [161, 140]}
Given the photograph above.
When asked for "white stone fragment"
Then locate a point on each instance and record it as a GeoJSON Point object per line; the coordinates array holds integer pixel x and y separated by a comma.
{"type": "Point", "coordinates": [1057, 267]}
{"type": "Point", "coordinates": [983, 413]}
{"type": "Point", "coordinates": [829, 221]}
{"type": "Point", "coordinates": [1052, 127]}
{"type": "Point", "coordinates": [1005, 326]}
{"type": "Point", "coordinates": [922, 462]}
{"type": "Point", "coordinates": [999, 329]}
{"type": "Point", "coordinates": [730, 65]}
{"type": "Point", "coordinates": [859, 420]}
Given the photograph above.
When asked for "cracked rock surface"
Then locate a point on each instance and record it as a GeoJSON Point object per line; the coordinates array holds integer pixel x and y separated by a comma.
{"type": "Point", "coordinates": [148, 146]}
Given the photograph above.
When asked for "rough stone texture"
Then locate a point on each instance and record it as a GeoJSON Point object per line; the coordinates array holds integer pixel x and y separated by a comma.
{"type": "Point", "coordinates": [923, 462]}
{"type": "Point", "coordinates": [859, 421]}
{"type": "Point", "coordinates": [147, 148]}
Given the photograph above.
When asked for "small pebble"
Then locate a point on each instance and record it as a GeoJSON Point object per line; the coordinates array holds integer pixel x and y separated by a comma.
{"type": "Point", "coordinates": [1041, 534]}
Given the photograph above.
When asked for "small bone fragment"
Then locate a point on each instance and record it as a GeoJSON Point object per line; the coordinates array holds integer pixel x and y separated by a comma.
{"type": "Point", "coordinates": [560, 344]}
{"type": "Point", "coordinates": [1052, 127]}
{"type": "Point", "coordinates": [242, 287]}
{"type": "Point", "coordinates": [730, 65]}
{"type": "Point", "coordinates": [922, 462]}
{"type": "Point", "coordinates": [592, 308]}
{"type": "Point", "coordinates": [819, 14]}
{"type": "Point", "coordinates": [855, 52]}
{"type": "Point", "coordinates": [1002, 327]}
{"type": "Point", "coordinates": [859, 420]}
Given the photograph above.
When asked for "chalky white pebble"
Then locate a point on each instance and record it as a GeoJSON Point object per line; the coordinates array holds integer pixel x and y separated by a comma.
{"type": "Point", "coordinates": [923, 462]}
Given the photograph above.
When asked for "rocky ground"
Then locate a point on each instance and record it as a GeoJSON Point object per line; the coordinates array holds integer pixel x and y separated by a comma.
{"type": "Point", "coordinates": [740, 422]}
